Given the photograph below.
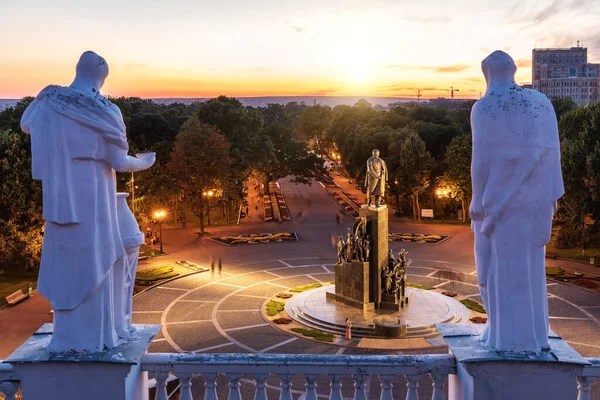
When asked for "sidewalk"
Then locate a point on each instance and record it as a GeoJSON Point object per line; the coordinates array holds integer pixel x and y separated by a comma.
{"type": "Point", "coordinates": [574, 265]}
{"type": "Point", "coordinates": [19, 322]}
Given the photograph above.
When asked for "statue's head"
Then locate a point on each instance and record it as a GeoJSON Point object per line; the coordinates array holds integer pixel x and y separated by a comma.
{"type": "Point", "coordinates": [92, 67]}
{"type": "Point", "coordinates": [375, 153]}
{"type": "Point", "coordinates": [498, 65]}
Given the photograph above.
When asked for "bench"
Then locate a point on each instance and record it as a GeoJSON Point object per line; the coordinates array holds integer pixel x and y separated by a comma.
{"type": "Point", "coordinates": [551, 254]}
{"type": "Point", "coordinates": [16, 297]}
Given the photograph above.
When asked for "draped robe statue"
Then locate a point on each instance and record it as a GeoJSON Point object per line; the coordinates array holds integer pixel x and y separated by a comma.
{"type": "Point", "coordinates": [77, 142]}
{"type": "Point", "coordinates": [517, 180]}
{"type": "Point", "coordinates": [377, 176]}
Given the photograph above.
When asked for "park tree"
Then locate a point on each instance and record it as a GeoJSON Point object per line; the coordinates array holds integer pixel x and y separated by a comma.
{"type": "Point", "coordinates": [562, 106]}
{"type": "Point", "coordinates": [243, 129]}
{"type": "Point", "coordinates": [410, 166]}
{"type": "Point", "coordinates": [21, 221]}
{"type": "Point", "coordinates": [580, 159]}
{"type": "Point", "coordinates": [312, 126]}
{"type": "Point", "coordinates": [199, 163]}
{"type": "Point", "coordinates": [457, 178]}
{"type": "Point", "coordinates": [290, 157]}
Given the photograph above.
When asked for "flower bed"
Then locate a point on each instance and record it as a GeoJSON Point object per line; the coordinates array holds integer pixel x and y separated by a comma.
{"type": "Point", "coordinates": [268, 208]}
{"type": "Point", "coordinates": [349, 209]}
{"type": "Point", "coordinates": [416, 238]}
{"type": "Point", "coordinates": [283, 210]}
{"type": "Point", "coordinates": [473, 305]}
{"type": "Point", "coordinates": [352, 199]}
{"type": "Point", "coordinates": [257, 238]}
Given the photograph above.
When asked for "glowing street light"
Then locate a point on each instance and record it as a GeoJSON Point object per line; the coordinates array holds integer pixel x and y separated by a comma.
{"type": "Point", "coordinates": [442, 193]}
{"type": "Point", "coordinates": [208, 194]}
{"type": "Point", "coordinates": [159, 215]}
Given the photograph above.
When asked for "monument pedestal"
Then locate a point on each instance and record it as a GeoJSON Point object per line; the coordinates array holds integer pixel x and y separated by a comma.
{"type": "Point", "coordinates": [377, 227]}
{"type": "Point", "coordinates": [482, 373]}
{"type": "Point", "coordinates": [352, 285]}
{"type": "Point", "coordinates": [114, 374]}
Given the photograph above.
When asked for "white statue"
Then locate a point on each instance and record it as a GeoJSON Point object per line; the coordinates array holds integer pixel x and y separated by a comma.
{"type": "Point", "coordinates": [126, 267]}
{"type": "Point", "coordinates": [517, 180]}
{"type": "Point", "coordinates": [77, 142]}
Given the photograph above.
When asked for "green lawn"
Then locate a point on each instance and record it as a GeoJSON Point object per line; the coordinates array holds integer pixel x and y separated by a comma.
{"type": "Point", "coordinates": [576, 254]}
{"type": "Point", "coordinates": [14, 279]}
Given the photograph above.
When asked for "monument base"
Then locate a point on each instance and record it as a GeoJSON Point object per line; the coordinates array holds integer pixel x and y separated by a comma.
{"type": "Point", "coordinates": [352, 285]}
{"type": "Point", "coordinates": [114, 374]}
{"type": "Point", "coordinates": [482, 373]}
{"type": "Point", "coordinates": [391, 302]}
{"type": "Point", "coordinates": [351, 302]}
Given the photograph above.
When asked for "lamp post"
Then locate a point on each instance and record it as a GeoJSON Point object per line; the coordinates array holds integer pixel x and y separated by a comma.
{"type": "Point", "coordinates": [442, 194]}
{"type": "Point", "coordinates": [208, 195]}
{"type": "Point", "coordinates": [159, 215]}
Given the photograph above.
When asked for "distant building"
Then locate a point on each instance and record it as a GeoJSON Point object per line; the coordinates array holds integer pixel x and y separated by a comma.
{"type": "Point", "coordinates": [560, 73]}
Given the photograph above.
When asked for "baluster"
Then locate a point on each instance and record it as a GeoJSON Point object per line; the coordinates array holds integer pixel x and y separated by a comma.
{"type": "Point", "coordinates": [360, 386]}
{"type": "Point", "coordinates": [261, 389]}
{"type": "Point", "coordinates": [210, 386]}
{"type": "Point", "coordinates": [161, 385]}
{"type": "Point", "coordinates": [386, 386]}
{"type": "Point", "coordinates": [185, 380]}
{"type": "Point", "coordinates": [10, 389]}
{"type": "Point", "coordinates": [583, 387]}
{"type": "Point", "coordinates": [286, 387]}
{"type": "Point", "coordinates": [311, 386]}
{"type": "Point", "coordinates": [438, 385]}
{"type": "Point", "coordinates": [412, 383]}
{"type": "Point", "coordinates": [336, 387]}
{"type": "Point", "coordinates": [234, 386]}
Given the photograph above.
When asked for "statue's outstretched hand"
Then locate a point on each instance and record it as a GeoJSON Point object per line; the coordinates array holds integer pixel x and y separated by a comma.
{"type": "Point", "coordinates": [147, 159]}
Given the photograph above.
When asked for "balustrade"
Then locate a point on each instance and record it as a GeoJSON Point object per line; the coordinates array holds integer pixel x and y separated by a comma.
{"type": "Point", "coordinates": [9, 382]}
{"type": "Point", "coordinates": [311, 368]}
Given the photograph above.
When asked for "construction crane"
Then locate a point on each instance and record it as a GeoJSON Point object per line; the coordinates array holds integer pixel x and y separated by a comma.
{"type": "Point", "coordinates": [452, 90]}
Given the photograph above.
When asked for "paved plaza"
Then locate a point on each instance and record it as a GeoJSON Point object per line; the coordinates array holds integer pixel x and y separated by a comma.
{"type": "Point", "coordinates": [206, 313]}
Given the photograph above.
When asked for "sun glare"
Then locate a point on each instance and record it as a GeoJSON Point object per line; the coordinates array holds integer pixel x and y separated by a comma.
{"type": "Point", "coordinates": [357, 74]}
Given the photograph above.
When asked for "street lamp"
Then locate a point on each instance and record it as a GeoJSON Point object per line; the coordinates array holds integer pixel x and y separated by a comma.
{"type": "Point", "coordinates": [159, 215]}
{"type": "Point", "coordinates": [208, 195]}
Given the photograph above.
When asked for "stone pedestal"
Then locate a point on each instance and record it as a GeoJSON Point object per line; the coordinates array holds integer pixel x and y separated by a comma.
{"type": "Point", "coordinates": [114, 374]}
{"type": "Point", "coordinates": [377, 227]}
{"type": "Point", "coordinates": [486, 374]}
{"type": "Point", "coordinates": [352, 285]}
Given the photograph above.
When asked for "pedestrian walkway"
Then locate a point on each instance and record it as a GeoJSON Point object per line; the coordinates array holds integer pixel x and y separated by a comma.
{"type": "Point", "coordinates": [18, 323]}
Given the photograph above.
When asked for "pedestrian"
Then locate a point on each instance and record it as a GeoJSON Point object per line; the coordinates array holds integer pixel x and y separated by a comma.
{"type": "Point", "coordinates": [212, 267]}
{"type": "Point", "coordinates": [348, 329]}
{"type": "Point", "coordinates": [338, 218]}
{"type": "Point", "coordinates": [256, 208]}
{"type": "Point", "coordinates": [220, 267]}
{"type": "Point", "coordinates": [247, 211]}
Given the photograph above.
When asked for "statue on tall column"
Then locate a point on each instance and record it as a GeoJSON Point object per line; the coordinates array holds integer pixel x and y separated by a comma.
{"type": "Point", "coordinates": [517, 180]}
{"type": "Point", "coordinates": [377, 176]}
{"type": "Point", "coordinates": [78, 141]}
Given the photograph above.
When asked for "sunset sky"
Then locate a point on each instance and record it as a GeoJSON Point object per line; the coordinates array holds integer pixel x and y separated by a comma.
{"type": "Point", "coordinates": [202, 48]}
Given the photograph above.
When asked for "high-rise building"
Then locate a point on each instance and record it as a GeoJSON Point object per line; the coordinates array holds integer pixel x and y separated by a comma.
{"type": "Point", "coordinates": [560, 73]}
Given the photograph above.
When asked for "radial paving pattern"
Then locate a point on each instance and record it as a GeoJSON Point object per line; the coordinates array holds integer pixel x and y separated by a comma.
{"type": "Point", "coordinates": [202, 313]}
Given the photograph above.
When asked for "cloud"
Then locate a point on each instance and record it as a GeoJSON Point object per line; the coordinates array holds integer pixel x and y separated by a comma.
{"type": "Point", "coordinates": [259, 69]}
{"type": "Point", "coordinates": [427, 20]}
{"type": "Point", "coordinates": [323, 92]}
{"type": "Point", "coordinates": [453, 68]}
{"type": "Point", "coordinates": [473, 79]}
{"type": "Point", "coordinates": [523, 62]}
{"type": "Point", "coordinates": [546, 13]}
{"type": "Point", "coordinates": [298, 29]}
{"type": "Point", "coordinates": [133, 65]}
{"type": "Point", "coordinates": [439, 69]}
